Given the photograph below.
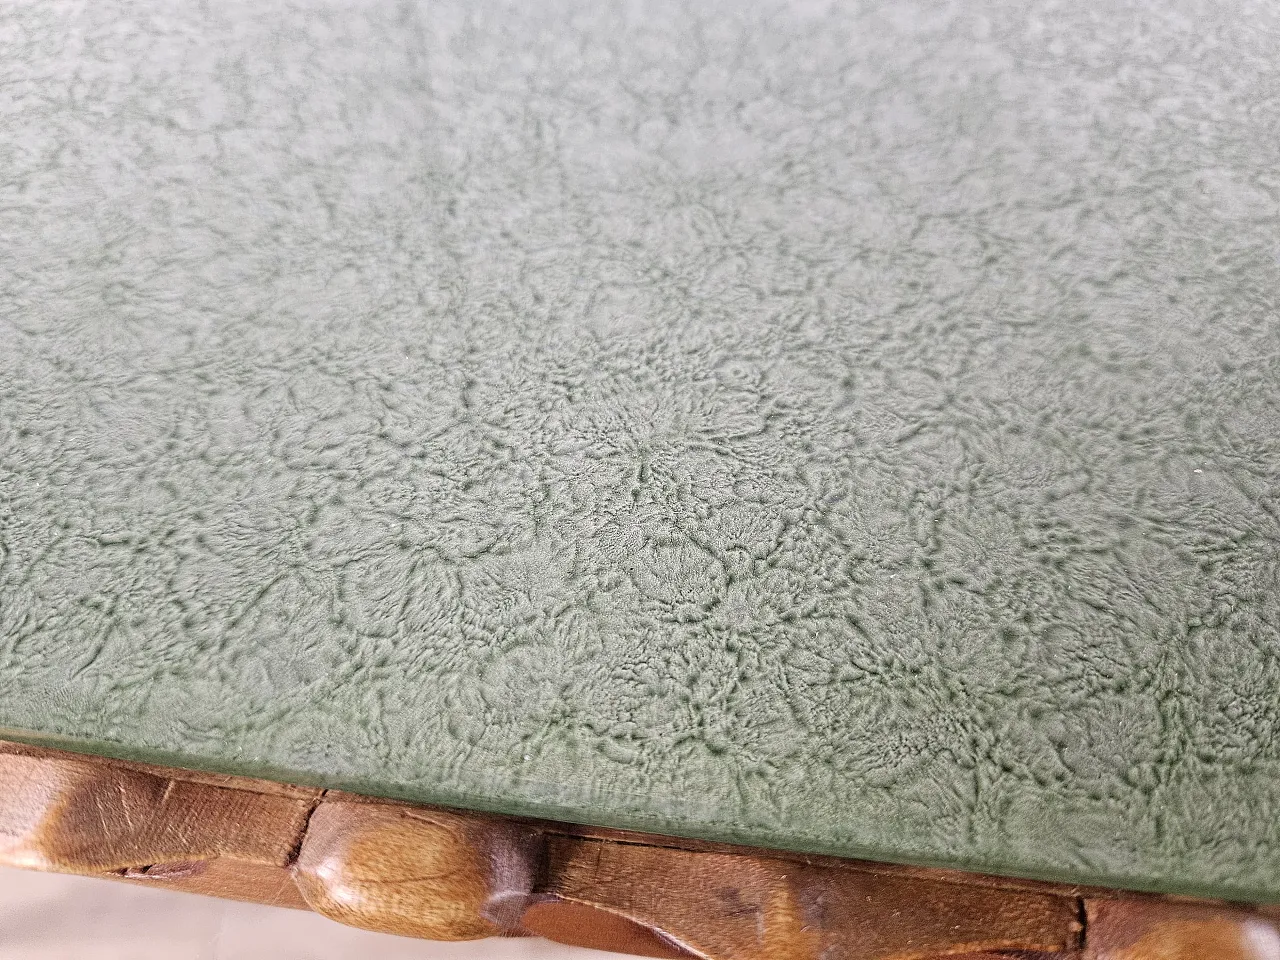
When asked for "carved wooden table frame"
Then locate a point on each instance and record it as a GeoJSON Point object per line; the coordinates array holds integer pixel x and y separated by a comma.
{"type": "Point", "coordinates": [447, 875]}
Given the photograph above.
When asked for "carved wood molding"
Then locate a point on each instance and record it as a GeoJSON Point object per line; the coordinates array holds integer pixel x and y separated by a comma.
{"type": "Point", "coordinates": [449, 875]}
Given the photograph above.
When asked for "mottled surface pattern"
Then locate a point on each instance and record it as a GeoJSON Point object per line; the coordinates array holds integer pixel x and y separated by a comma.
{"type": "Point", "coordinates": [842, 428]}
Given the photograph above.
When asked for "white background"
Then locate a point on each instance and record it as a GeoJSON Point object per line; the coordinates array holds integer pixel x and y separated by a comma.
{"type": "Point", "coordinates": [45, 916]}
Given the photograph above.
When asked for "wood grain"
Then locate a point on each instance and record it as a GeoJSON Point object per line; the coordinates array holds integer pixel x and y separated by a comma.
{"type": "Point", "coordinates": [78, 815]}
{"type": "Point", "coordinates": [416, 872]}
{"type": "Point", "coordinates": [753, 907]}
{"type": "Point", "coordinates": [448, 875]}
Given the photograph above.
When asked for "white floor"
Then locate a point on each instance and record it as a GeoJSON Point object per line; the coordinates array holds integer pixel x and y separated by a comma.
{"type": "Point", "coordinates": [51, 917]}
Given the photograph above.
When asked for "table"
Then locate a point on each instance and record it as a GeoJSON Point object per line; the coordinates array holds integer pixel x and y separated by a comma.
{"type": "Point", "coordinates": [830, 431]}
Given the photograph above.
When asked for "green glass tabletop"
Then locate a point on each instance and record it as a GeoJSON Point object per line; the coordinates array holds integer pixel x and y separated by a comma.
{"type": "Point", "coordinates": [849, 428]}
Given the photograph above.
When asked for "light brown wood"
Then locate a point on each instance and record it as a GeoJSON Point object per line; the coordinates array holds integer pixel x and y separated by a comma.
{"type": "Point", "coordinates": [590, 925]}
{"type": "Point", "coordinates": [79, 815]}
{"type": "Point", "coordinates": [418, 873]}
{"type": "Point", "coordinates": [1155, 930]}
{"type": "Point", "coordinates": [749, 906]}
{"type": "Point", "coordinates": [442, 874]}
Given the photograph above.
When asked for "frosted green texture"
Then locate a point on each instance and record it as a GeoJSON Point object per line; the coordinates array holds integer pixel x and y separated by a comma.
{"type": "Point", "coordinates": [841, 427]}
